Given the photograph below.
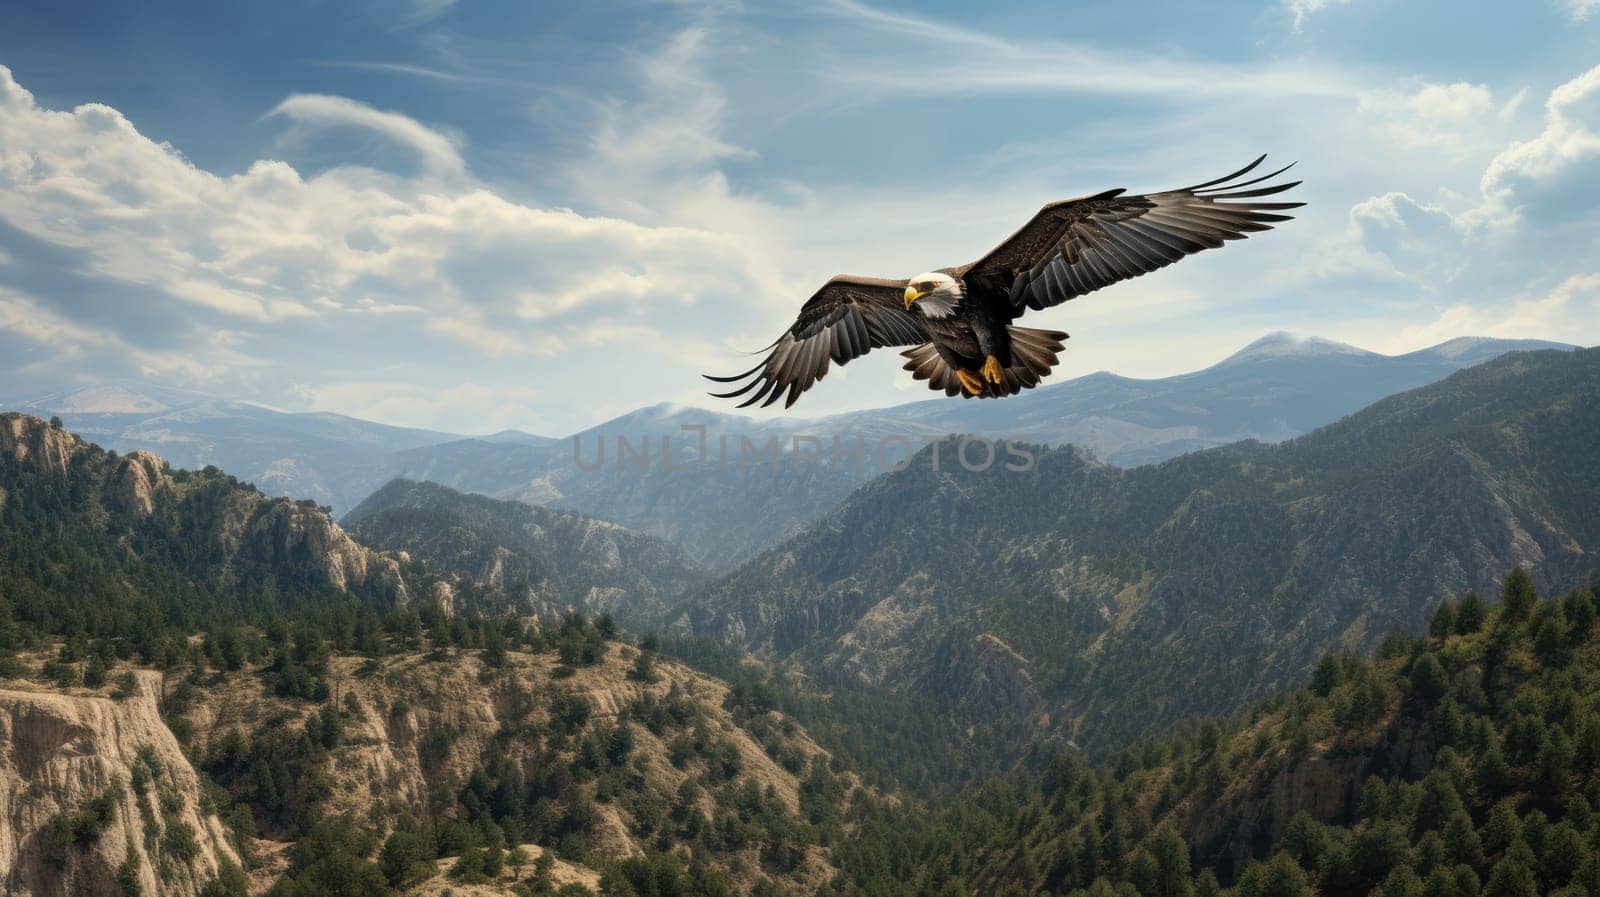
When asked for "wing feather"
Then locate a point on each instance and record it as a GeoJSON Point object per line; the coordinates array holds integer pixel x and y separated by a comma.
{"type": "Point", "coordinates": [844, 320]}
{"type": "Point", "coordinates": [1080, 245]}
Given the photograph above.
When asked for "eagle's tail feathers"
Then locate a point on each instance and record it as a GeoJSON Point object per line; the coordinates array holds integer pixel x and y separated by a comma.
{"type": "Point", "coordinates": [1033, 354]}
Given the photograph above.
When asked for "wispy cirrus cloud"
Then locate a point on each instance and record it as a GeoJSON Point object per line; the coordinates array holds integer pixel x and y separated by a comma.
{"type": "Point", "coordinates": [1303, 10]}
{"type": "Point", "coordinates": [970, 61]}
{"type": "Point", "coordinates": [429, 73]}
{"type": "Point", "coordinates": [436, 151]}
{"type": "Point", "coordinates": [420, 12]}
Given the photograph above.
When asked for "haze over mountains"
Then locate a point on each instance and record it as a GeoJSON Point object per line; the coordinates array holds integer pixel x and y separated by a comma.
{"type": "Point", "coordinates": [721, 513]}
{"type": "Point", "coordinates": [1098, 602]}
{"type": "Point", "coordinates": [316, 455]}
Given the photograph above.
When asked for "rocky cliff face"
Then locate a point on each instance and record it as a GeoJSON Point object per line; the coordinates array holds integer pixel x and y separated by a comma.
{"type": "Point", "coordinates": [296, 536]}
{"type": "Point", "coordinates": [213, 527]}
{"type": "Point", "coordinates": [95, 792]}
{"type": "Point", "coordinates": [29, 441]}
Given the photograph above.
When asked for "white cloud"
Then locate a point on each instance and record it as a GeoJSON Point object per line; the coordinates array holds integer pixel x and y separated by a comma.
{"type": "Point", "coordinates": [1418, 241]}
{"type": "Point", "coordinates": [57, 338]}
{"type": "Point", "coordinates": [353, 266]}
{"type": "Point", "coordinates": [1548, 182]}
{"type": "Point", "coordinates": [1304, 9]}
{"type": "Point", "coordinates": [1581, 10]}
{"type": "Point", "coordinates": [374, 307]}
{"type": "Point", "coordinates": [1569, 312]}
{"type": "Point", "coordinates": [437, 152]}
{"type": "Point", "coordinates": [1388, 241]}
{"type": "Point", "coordinates": [1456, 118]}
{"type": "Point", "coordinates": [270, 245]}
{"type": "Point", "coordinates": [1558, 172]}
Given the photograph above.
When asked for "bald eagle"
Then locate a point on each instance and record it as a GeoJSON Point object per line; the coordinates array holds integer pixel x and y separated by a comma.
{"type": "Point", "coordinates": [958, 321]}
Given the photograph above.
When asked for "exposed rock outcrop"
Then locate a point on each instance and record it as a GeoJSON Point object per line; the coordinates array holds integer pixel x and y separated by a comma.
{"type": "Point", "coordinates": [299, 536]}
{"type": "Point", "coordinates": [93, 789]}
{"type": "Point", "coordinates": [30, 441]}
{"type": "Point", "coordinates": [134, 483]}
{"type": "Point", "coordinates": [416, 730]}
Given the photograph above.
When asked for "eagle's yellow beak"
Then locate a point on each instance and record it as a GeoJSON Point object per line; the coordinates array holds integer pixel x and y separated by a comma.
{"type": "Point", "coordinates": [912, 295]}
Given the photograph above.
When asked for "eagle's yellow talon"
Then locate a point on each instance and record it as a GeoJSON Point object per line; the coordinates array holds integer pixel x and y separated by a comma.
{"type": "Point", "coordinates": [969, 382]}
{"type": "Point", "coordinates": [992, 371]}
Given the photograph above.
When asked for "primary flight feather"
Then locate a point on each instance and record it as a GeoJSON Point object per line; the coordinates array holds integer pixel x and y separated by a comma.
{"type": "Point", "coordinates": [958, 321]}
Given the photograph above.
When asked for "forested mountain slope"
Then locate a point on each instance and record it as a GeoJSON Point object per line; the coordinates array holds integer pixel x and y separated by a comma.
{"type": "Point", "coordinates": [92, 542]}
{"type": "Point", "coordinates": [479, 760]}
{"type": "Point", "coordinates": [1459, 763]}
{"type": "Point", "coordinates": [206, 692]}
{"type": "Point", "coordinates": [509, 556]}
{"type": "Point", "coordinates": [1097, 603]}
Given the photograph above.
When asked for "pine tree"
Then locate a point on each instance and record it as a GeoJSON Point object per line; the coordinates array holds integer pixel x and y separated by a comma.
{"type": "Point", "coordinates": [1328, 676]}
{"type": "Point", "coordinates": [1493, 775]}
{"type": "Point", "coordinates": [1280, 876]}
{"type": "Point", "coordinates": [1379, 849]}
{"type": "Point", "coordinates": [1550, 640]}
{"type": "Point", "coordinates": [1554, 762]}
{"type": "Point", "coordinates": [1461, 841]}
{"type": "Point", "coordinates": [1471, 612]}
{"type": "Point", "coordinates": [1502, 829]}
{"type": "Point", "coordinates": [1511, 877]}
{"type": "Point", "coordinates": [1563, 851]}
{"type": "Point", "coordinates": [1402, 882]}
{"type": "Point", "coordinates": [1171, 857]}
{"type": "Point", "coordinates": [1579, 609]}
{"type": "Point", "coordinates": [1443, 623]}
{"type": "Point", "coordinates": [1517, 596]}
{"type": "Point", "coordinates": [1439, 803]}
{"type": "Point", "coordinates": [1429, 679]}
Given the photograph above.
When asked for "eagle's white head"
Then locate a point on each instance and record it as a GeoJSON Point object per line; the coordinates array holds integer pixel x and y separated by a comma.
{"type": "Point", "coordinates": [935, 294]}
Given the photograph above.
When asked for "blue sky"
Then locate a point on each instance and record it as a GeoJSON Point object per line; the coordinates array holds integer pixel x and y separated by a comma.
{"type": "Point", "coordinates": [477, 215]}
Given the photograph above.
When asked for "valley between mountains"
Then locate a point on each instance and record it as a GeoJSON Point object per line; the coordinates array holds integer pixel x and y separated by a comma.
{"type": "Point", "coordinates": [1260, 668]}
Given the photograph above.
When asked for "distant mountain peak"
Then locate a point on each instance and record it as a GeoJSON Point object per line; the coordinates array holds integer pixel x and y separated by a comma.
{"type": "Point", "coordinates": [107, 399]}
{"type": "Point", "coordinates": [1469, 350]}
{"type": "Point", "coordinates": [1283, 344]}
{"type": "Point", "coordinates": [1459, 346]}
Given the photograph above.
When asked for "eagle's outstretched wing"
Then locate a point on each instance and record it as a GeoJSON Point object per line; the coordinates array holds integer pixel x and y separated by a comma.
{"type": "Point", "coordinates": [1079, 245]}
{"type": "Point", "coordinates": [846, 319]}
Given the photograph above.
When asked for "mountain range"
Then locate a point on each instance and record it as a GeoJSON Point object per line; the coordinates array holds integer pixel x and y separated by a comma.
{"type": "Point", "coordinates": [1101, 603]}
{"type": "Point", "coordinates": [212, 691]}
{"type": "Point", "coordinates": [723, 509]}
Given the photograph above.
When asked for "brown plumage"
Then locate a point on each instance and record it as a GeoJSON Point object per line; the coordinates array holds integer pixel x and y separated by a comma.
{"type": "Point", "coordinates": [958, 321]}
